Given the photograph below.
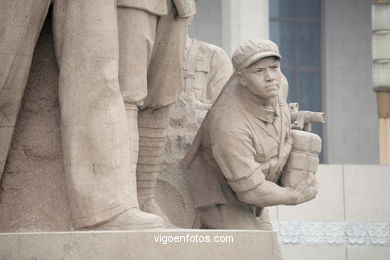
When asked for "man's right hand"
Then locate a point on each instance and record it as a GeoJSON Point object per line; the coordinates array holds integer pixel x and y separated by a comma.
{"type": "Point", "coordinates": [306, 190]}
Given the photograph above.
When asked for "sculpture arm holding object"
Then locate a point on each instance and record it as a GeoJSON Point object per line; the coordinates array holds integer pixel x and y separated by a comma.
{"type": "Point", "coordinates": [304, 156]}
{"type": "Point", "coordinates": [235, 155]}
{"type": "Point", "coordinates": [270, 194]}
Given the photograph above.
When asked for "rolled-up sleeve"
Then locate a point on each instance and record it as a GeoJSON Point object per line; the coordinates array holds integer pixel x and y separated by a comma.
{"type": "Point", "coordinates": [235, 156]}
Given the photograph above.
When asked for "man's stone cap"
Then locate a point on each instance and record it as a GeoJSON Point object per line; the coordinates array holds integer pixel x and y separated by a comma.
{"type": "Point", "coordinates": [252, 51]}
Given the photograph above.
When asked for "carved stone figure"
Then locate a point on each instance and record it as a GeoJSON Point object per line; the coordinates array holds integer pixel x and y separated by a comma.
{"type": "Point", "coordinates": [20, 25]}
{"type": "Point", "coordinates": [151, 46]}
{"type": "Point", "coordinates": [206, 70]}
{"type": "Point", "coordinates": [239, 154]}
{"type": "Point", "coordinates": [99, 144]}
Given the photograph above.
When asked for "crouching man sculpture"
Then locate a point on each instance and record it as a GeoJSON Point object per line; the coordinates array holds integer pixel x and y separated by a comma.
{"type": "Point", "coordinates": [246, 149]}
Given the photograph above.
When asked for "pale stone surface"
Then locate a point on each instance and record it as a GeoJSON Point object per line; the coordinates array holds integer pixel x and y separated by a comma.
{"type": "Point", "coordinates": [367, 193]}
{"type": "Point", "coordinates": [10, 104]}
{"type": "Point", "coordinates": [303, 158]}
{"type": "Point", "coordinates": [33, 195]}
{"type": "Point", "coordinates": [150, 77]}
{"type": "Point", "coordinates": [242, 21]}
{"type": "Point", "coordinates": [97, 142]}
{"type": "Point", "coordinates": [347, 31]}
{"type": "Point", "coordinates": [33, 185]}
{"type": "Point", "coordinates": [137, 245]}
{"type": "Point", "coordinates": [273, 213]}
{"type": "Point", "coordinates": [6, 133]}
{"type": "Point", "coordinates": [207, 25]}
{"type": "Point", "coordinates": [206, 70]}
{"type": "Point", "coordinates": [329, 203]}
{"type": "Point", "coordinates": [368, 253]}
{"type": "Point", "coordinates": [314, 252]}
{"type": "Point", "coordinates": [241, 149]}
{"type": "Point", "coordinates": [20, 24]}
{"type": "Point", "coordinates": [347, 69]}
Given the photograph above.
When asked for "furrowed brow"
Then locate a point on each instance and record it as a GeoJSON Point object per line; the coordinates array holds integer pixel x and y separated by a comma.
{"type": "Point", "coordinates": [256, 67]}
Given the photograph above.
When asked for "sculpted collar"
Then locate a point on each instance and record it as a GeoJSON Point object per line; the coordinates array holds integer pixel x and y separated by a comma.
{"type": "Point", "coordinates": [253, 106]}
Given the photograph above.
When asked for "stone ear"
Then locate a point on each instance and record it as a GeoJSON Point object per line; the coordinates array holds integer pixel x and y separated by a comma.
{"type": "Point", "coordinates": [241, 79]}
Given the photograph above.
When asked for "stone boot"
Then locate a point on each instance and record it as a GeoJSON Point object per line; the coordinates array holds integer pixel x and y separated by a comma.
{"type": "Point", "coordinates": [132, 218]}
{"type": "Point", "coordinates": [152, 140]}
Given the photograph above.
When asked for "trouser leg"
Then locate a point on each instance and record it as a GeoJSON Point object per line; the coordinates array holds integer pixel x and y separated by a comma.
{"type": "Point", "coordinates": [136, 40]}
{"type": "Point", "coordinates": [93, 118]}
{"type": "Point", "coordinates": [165, 74]}
{"type": "Point", "coordinates": [137, 32]}
{"type": "Point", "coordinates": [20, 25]}
{"type": "Point", "coordinates": [165, 81]}
{"type": "Point", "coordinates": [137, 36]}
{"type": "Point", "coordinates": [153, 126]}
{"type": "Point", "coordinates": [153, 135]}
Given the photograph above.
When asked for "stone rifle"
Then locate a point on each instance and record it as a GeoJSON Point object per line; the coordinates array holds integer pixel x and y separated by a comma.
{"type": "Point", "coordinates": [301, 120]}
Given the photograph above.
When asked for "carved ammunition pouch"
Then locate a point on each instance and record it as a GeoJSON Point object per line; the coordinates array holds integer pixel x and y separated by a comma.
{"type": "Point", "coordinates": [303, 158]}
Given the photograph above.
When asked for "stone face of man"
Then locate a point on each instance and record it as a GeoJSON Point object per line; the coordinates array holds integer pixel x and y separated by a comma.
{"type": "Point", "coordinates": [263, 78]}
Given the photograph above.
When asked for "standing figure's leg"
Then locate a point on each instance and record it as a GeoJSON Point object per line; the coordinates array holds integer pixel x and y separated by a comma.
{"type": "Point", "coordinates": [153, 126]}
{"type": "Point", "coordinates": [165, 81]}
{"type": "Point", "coordinates": [137, 29]}
{"type": "Point", "coordinates": [94, 126]}
{"type": "Point", "coordinates": [20, 25]}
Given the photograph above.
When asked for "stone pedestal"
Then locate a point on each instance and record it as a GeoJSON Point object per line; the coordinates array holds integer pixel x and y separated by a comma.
{"type": "Point", "coordinates": [190, 244]}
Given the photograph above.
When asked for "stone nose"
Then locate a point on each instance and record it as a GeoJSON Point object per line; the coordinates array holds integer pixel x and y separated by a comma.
{"type": "Point", "coordinates": [269, 75]}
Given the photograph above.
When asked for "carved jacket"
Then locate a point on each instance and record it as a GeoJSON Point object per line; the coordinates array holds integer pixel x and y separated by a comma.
{"type": "Point", "coordinates": [206, 68]}
{"type": "Point", "coordinates": [185, 8]}
{"type": "Point", "coordinates": [242, 144]}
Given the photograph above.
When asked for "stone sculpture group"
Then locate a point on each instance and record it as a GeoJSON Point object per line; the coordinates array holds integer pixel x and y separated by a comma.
{"type": "Point", "coordinates": [128, 73]}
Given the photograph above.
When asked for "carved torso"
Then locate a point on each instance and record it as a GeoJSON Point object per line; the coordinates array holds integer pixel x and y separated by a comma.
{"type": "Point", "coordinates": [206, 69]}
{"type": "Point", "coordinates": [239, 136]}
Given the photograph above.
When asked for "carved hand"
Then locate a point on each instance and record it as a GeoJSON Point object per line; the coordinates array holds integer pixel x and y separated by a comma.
{"type": "Point", "coordinates": [306, 190]}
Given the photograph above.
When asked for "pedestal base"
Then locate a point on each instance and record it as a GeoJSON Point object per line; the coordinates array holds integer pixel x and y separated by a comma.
{"type": "Point", "coordinates": [164, 244]}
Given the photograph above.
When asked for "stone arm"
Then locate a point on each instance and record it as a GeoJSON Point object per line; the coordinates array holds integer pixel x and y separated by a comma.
{"type": "Point", "coordinates": [270, 194]}
{"type": "Point", "coordinates": [235, 155]}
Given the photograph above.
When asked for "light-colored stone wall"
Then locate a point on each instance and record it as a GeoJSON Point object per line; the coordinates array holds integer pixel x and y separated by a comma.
{"type": "Point", "coordinates": [228, 23]}
{"type": "Point", "coordinates": [107, 245]}
{"type": "Point", "coordinates": [347, 193]}
{"type": "Point", "coordinates": [207, 23]}
{"type": "Point", "coordinates": [351, 131]}
{"type": "Point", "coordinates": [349, 219]}
{"type": "Point", "coordinates": [242, 21]}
